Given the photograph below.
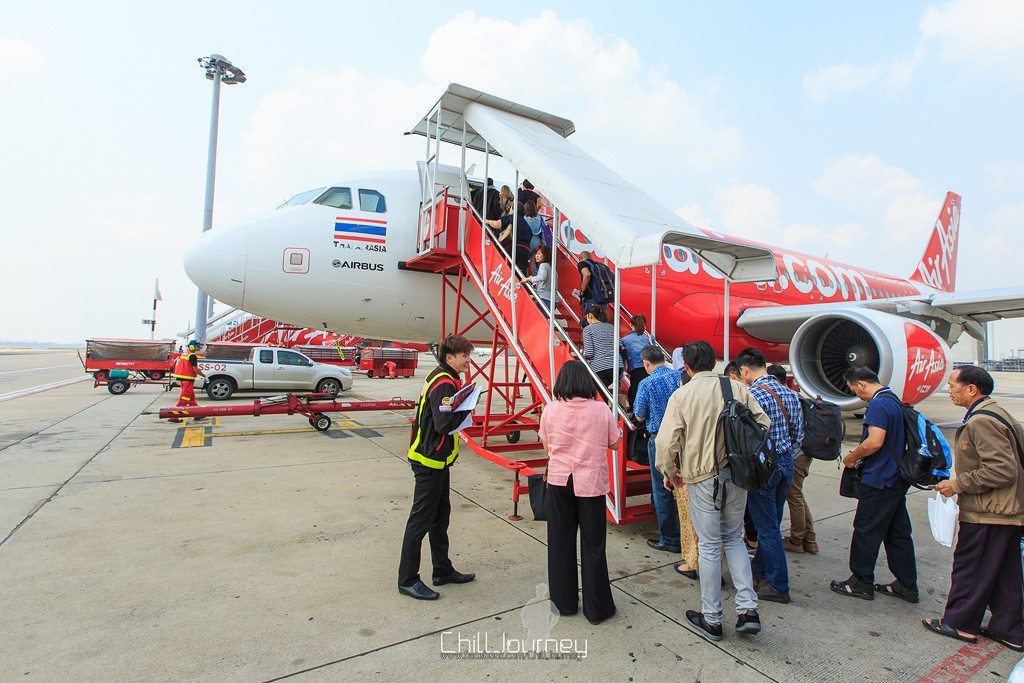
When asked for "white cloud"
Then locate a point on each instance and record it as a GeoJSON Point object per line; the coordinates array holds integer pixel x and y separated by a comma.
{"type": "Point", "coordinates": [978, 35]}
{"type": "Point", "coordinates": [694, 213]}
{"type": "Point", "coordinates": [20, 60]}
{"type": "Point", "coordinates": [1005, 175]}
{"type": "Point", "coordinates": [323, 124]}
{"type": "Point", "coordinates": [747, 209]}
{"type": "Point", "coordinates": [974, 37]}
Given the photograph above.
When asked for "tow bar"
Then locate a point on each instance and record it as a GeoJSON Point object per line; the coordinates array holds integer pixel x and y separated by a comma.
{"type": "Point", "coordinates": [308, 405]}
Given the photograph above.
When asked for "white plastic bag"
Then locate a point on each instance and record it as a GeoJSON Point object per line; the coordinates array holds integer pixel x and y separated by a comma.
{"type": "Point", "coordinates": [942, 513]}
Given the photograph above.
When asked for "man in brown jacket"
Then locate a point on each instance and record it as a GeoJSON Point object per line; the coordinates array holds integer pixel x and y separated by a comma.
{"type": "Point", "coordinates": [989, 485]}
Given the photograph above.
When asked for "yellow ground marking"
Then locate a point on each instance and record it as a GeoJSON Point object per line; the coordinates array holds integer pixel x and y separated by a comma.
{"type": "Point", "coordinates": [193, 437]}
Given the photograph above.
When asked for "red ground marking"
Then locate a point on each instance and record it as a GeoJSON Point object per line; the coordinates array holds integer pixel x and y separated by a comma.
{"type": "Point", "coordinates": [964, 663]}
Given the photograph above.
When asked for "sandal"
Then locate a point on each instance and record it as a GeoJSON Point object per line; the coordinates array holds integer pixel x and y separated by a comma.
{"type": "Point", "coordinates": [849, 590]}
{"type": "Point", "coordinates": [897, 590]}
{"type": "Point", "coordinates": [689, 573]}
{"type": "Point", "coordinates": [944, 629]}
{"type": "Point", "coordinates": [1010, 646]}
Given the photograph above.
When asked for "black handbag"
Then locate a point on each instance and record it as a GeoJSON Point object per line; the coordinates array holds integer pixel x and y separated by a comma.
{"type": "Point", "coordinates": [849, 482]}
{"type": "Point", "coordinates": [538, 496]}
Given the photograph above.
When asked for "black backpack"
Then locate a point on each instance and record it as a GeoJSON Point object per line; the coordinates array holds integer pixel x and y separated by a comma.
{"type": "Point", "coordinates": [824, 429]}
{"type": "Point", "coordinates": [926, 458]}
{"type": "Point", "coordinates": [752, 458]}
{"type": "Point", "coordinates": [602, 283]}
{"type": "Point", "coordinates": [638, 440]}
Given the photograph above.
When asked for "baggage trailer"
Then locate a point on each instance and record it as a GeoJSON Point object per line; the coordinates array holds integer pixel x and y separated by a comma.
{"type": "Point", "coordinates": [313, 406]}
{"type": "Point", "coordinates": [388, 361]}
{"type": "Point", "coordinates": [118, 364]}
{"type": "Point", "coordinates": [334, 354]}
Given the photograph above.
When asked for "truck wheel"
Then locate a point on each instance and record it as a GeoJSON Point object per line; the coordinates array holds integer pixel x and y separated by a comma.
{"type": "Point", "coordinates": [118, 387]}
{"type": "Point", "coordinates": [320, 422]}
{"type": "Point", "coordinates": [329, 386]}
{"type": "Point", "coordinates": [369, 373]}
{"type": "Point", "coordinates": [220, 389]}
{"type": "Point", "coordinates": [156, 375]}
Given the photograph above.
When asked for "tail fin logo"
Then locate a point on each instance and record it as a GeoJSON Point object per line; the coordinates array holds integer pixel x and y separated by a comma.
{"type": "Point", "coordinates": [937, 267]}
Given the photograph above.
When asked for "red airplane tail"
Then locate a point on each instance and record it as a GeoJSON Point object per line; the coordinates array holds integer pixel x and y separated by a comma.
{"type": "Point", "coordinates": [937, 267]}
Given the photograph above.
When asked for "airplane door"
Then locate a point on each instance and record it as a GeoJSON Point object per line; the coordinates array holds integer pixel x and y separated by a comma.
{"type": "Point", "coordinates": [293, 371]}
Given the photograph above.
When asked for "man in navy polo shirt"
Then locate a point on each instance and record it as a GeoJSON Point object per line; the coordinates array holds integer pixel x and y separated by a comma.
{"type": "Point", "coordinates": [881, 515]}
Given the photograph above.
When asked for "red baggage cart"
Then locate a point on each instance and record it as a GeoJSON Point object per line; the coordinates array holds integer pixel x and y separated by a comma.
{"type": "Point", "coordinates": [375, 359]}
{"type": "Point", "coordinates": [119, 363]}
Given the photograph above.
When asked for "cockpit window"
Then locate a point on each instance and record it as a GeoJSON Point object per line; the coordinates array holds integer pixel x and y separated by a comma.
{"type": "Point", "coordinates": [371, 200]}
{"type": "Point", "coordinates": [338, 197]}
{"type": "Point", "coordinates": [303, 197]}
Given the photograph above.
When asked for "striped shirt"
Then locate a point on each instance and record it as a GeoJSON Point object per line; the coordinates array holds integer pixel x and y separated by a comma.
{"type": "Point", "coordinates": [599, 346]}
{"type": "Point", "coordinates": [786, 435]}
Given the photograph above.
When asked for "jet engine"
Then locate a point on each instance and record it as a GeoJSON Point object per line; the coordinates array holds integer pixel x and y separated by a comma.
{"type": "Point", "coordinates": [906, 354]}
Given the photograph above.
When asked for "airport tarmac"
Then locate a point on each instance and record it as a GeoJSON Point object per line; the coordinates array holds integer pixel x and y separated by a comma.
{"type": "Point", "coordinates": [256, 548]}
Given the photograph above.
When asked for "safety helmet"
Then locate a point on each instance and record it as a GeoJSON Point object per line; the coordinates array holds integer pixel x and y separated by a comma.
{"type": "Point", "coordinates": [193, 344]}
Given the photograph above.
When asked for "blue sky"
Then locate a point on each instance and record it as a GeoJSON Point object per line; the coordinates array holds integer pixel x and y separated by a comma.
{"type": "Point", "coordinates": [817, 126]}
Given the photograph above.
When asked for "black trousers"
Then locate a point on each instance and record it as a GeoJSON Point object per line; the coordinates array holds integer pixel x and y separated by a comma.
{"type": "Point", "coordinates": [882, 518]}
{"type": "Point", "coordinates": [987, 573]}
{"type": "Point", "coordinates": [568, 512]}
{"type": "Point", "coordinates": [431, 510]}
{"type": "Point", "coordinates": [635, 377]}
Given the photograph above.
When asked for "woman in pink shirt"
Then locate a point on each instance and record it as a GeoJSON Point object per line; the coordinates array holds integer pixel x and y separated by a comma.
{"type": "Point", "coordinates": [577, 430]}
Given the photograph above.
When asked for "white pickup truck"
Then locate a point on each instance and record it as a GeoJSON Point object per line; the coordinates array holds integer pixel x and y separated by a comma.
{"type": "Point", "coordinates": [271, 369]}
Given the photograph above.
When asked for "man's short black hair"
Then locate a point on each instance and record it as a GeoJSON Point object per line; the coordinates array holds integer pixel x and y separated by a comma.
{"type": "Point", "coordinates": [778, 372]}
{"type": "Point", "coordinates": [751, 358]}
{"type": "Point", "coordinates": [454, 344]}
{"type": "Point", "coordinates": [860, 373]}
{"type": "Point", "coordinates": [979, 377]}
{"type": "Point", "coordinates": [652, 353]}
{"type": "Point", "coordinates": [731, 369]}
{"type": "Point", "coordinates": [527, 184]}
{"type": "Point", "coordinates": [699, 356]}
{"type": "Point", "coordinates": [574, 381]}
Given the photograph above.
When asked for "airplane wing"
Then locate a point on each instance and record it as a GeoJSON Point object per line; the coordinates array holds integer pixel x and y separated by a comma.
{"type": "Point", "coordinates": [969, 309]}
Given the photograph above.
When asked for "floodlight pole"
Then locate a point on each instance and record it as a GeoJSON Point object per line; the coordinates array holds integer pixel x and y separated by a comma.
{"type": "Point", "coordinates": [215, 66]}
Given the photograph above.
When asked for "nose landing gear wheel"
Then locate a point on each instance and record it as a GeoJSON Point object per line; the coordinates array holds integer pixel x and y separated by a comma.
{"type": "Point", "coordinates": [320, 422]}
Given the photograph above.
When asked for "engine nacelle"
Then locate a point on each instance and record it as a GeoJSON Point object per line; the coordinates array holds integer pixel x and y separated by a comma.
{"type": "Point", "coordinates": [908, 357]}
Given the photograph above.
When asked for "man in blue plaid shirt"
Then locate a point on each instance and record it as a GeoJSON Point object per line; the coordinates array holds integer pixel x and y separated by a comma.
{"type": "Point", "coordinates": [782, 405]}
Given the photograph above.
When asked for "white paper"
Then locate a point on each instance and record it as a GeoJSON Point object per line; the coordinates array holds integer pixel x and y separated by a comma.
{"type": "Point", "coordinates": [470, 402]}
{"type": "Point", "coordinates": [942, 515]}
{"type": "Point", "coordinates": [468, 422]}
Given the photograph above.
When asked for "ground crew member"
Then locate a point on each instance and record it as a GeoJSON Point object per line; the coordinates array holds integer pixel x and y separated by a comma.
{"type": "Point", "coordinates": [432, 450]}
{"type": "Point", "coordinates": [186, 368]}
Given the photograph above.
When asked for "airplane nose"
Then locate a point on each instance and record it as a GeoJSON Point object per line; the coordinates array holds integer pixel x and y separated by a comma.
{"type": "Point", "coordinates": [216, 264]}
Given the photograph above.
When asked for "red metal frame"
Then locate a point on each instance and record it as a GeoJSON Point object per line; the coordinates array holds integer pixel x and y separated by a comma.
{"type": "Point", "coordinates": [306, 405]}
{"type": "Point", "coordinates": [513, 400]}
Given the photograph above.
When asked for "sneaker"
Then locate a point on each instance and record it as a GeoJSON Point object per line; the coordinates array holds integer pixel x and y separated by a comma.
{"type": "Point", "coordinates": [709, 631]}
{"type": "Point", "coordinates": [792, 545]}
{"type": "Point", "coordinates": [811, 547]}
{"type": "Point", "coordinates": [748, 622]}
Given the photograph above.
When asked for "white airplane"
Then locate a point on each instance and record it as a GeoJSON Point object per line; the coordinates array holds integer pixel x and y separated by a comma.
{"type": "Point", "coordinates": [334, 258]}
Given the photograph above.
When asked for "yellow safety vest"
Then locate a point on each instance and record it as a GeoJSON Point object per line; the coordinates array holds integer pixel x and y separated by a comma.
{"type": "Point", "coordinates": [421, 406]}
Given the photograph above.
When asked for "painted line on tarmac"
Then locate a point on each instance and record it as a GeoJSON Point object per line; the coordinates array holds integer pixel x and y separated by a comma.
{"type": "Point", "coordinates": [963, 664]}
{"type": "Point", "coordinates": [48, 367]}
{"type": "Point", "coordinates": [192, 437]}
{"type": "Point", "coordinates": [22, 393]}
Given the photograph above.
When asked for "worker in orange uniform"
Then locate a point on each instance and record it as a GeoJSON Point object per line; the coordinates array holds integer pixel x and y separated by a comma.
{"type": "Point", "coordinates": [390, 367]}
{"type": "Point", "coordinates": [186, 368]}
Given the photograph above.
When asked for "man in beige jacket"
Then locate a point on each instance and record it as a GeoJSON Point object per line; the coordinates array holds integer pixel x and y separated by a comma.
{"type": "Point", "coordinates": [989, 465]}
{"type": "Point", "coordinates": [690, 451]}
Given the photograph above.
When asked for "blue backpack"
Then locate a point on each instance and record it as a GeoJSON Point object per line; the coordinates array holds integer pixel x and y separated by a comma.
{"type": "Point", "coordinates": [926, 456]}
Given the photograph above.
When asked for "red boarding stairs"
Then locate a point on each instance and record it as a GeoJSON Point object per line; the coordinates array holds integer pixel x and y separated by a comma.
{"type": "Point", "coordinates": [524, 359]}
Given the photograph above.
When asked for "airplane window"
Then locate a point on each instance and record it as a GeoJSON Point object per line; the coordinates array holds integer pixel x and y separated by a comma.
{"type": "Point", "coordinates": [303, 197]}
{"type": "Point", "coordinates": [338, 197]}
{"type": "Point", "coordinates": [291, 358]}
{"type": "Point", "coordinates": [371, 200]}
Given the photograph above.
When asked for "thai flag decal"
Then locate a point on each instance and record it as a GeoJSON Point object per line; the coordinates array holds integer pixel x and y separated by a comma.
{"type": "Point", "coordinates": [368, 230]}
